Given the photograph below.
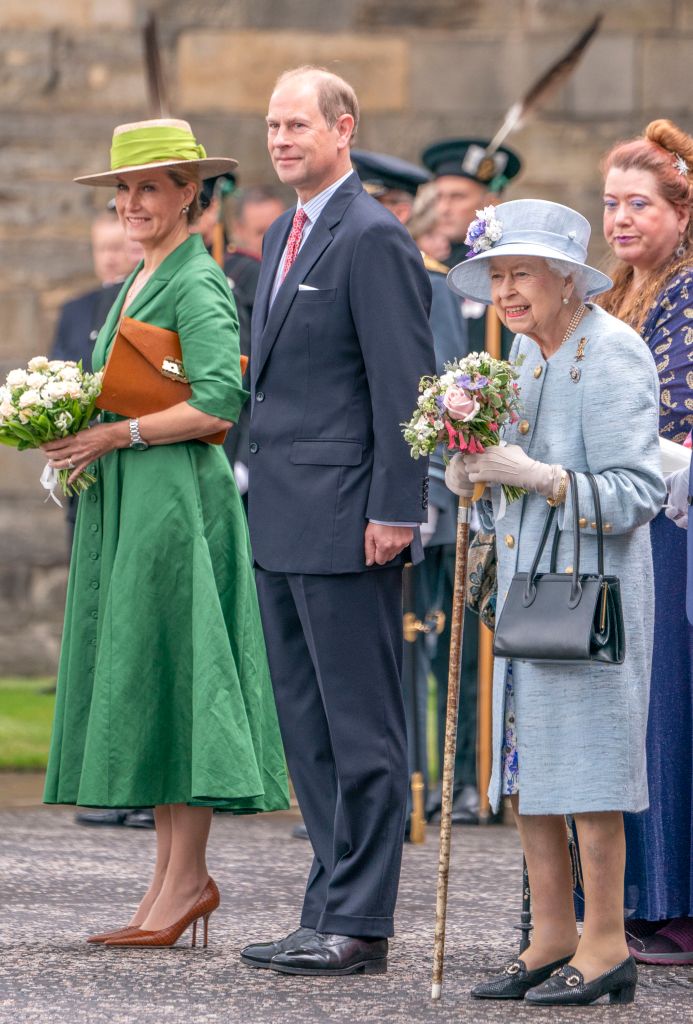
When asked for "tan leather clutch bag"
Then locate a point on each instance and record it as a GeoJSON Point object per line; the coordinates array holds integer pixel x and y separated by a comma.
{"type": "Point", "coordinates": [144, 373]}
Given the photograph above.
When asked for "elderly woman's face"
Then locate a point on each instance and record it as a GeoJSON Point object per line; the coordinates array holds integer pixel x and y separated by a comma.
{"type": "Point", "coordinates": [641, 227]}
{"type": "Point", "coordinates": [527, 295]}
{"type": "Point", "coordinates": [150, 205]}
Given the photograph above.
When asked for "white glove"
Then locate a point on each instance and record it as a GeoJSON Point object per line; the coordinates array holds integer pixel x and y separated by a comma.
{"type": "Point", "coordinates": [676, 508]}
{"type": "Point", "coordinates": [510, 465]}
{"type": "Point", "coordinates": [456, 478]}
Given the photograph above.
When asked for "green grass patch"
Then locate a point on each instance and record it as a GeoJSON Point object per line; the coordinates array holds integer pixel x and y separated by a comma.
{"type": "Point", "coordinates": [26, 716]}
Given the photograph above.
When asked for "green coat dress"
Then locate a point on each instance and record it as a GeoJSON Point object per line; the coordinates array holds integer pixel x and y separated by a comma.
{"type": "Point", "coordinates": [163, 693]}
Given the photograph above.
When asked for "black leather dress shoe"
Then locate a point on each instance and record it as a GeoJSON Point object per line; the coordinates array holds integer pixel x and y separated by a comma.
{"type": "Point", "coordinates": [515, 980]}
{"type": "Point", "coordinates": [107, 817]}
{"type": "Point", "coordinates": [333, 955]}
{"type": "Point", "coordinates": [142, 818]}
{"type": "Point", "coordinates": [567, 987]}
{"type": "Point", "coordinates": [259, 954]}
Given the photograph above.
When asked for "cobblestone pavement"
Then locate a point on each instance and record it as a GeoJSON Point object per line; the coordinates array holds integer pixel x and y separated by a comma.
{"type": "Point", "coordinates": [59, 881]}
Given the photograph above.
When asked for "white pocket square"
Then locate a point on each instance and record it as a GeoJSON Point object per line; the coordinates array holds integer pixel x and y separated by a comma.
{"type": "Point", "coordinates": [307, 288]}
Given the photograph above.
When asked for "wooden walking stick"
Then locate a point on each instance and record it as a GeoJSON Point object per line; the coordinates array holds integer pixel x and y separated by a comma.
{"type": "Point", "coordinates": [458, 604]}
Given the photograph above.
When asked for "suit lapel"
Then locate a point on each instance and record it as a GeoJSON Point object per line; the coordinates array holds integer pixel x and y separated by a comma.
{"type": "Point", "coordinates": [270, 261]}
{"type": "Point", "coordinates": [318, 240]}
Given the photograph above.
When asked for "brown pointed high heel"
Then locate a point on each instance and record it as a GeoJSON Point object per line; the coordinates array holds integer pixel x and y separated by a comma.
{"type": "Point", "coordinates": [119, 933]}
{"type": "Point", "coordinates": [206, 903]}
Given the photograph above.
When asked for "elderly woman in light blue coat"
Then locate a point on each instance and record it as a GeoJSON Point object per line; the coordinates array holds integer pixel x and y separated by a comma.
{"type": "Point", "coordinates": [568, 738]}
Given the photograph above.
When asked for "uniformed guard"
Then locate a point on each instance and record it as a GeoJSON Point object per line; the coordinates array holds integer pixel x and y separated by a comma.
{"type": "Point", "coordinates": [466, 181]}
{"type": "Point", "coordinates": [395, 183]}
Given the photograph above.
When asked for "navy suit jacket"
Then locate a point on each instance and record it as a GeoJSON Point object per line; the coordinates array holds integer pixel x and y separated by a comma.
{"type": "Point", "coordinates": [334, 373]}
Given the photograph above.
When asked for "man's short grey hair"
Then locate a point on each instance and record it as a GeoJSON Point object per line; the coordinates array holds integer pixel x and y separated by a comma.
{"type": "Point", "coordinates": [564, 269]}
{"type": "Point", "coordinates": [335, 95]}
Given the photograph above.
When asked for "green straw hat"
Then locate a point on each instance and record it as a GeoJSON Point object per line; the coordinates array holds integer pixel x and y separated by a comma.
{"type": "Point", "coordinates": [160, 143]}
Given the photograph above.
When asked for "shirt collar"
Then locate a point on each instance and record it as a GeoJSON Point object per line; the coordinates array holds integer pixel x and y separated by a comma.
{"type": "Point", "coordinates": [314, 206]}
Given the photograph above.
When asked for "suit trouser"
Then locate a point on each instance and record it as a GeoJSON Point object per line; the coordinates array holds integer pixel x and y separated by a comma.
{"type": "Point", "coordinates": [335, 646]}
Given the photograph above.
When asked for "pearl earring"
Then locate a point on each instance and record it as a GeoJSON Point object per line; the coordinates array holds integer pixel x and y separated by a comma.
{"type": "Point", "coordinates": [185, 209]}
{"type": "Point", "coordinates": [566, 301]}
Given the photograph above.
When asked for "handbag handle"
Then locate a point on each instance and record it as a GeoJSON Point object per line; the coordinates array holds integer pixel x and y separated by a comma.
{"type": "Point", "coordinates": [598, 520]}
{"type": "Point", "coordinates": [598, 524]}
{"type": "Point", "coordinates": [576, 587]}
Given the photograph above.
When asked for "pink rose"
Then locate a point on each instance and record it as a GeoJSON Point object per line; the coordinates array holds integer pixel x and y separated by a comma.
{"type": "Point", "coordinates": [460, 404]}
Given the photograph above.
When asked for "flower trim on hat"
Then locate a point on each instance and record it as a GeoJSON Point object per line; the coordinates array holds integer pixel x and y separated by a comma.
{"type": "Point", "coordinates": [484, 232]}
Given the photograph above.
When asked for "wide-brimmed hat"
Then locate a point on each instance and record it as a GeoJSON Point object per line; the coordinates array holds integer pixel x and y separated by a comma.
{"type": "Point", "coordinates": [164, 142]}
{"type": "Point", "coordinates": [525, 227]}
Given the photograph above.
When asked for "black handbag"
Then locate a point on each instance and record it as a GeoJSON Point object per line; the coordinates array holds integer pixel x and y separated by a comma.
{"type": "Point", "coordinates": [556, 617]}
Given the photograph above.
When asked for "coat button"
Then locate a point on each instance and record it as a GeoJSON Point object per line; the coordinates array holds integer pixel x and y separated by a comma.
{"type": "Point", "coordinates": [509, 540]}
{"type": "Point", "coordinates": [254, 447]}
{"type": "Point", "coordinates": [260, 396]}
{"type": "Point", "coordinates": [524, 427]}
{"type": "Point", "coordinates": [538, 370]}
{"type": "Point", "coordinates": [582, 522]}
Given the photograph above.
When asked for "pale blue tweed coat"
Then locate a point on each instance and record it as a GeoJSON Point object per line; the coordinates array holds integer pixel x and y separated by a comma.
{"type": "Point", "coordinates": [581, 729]}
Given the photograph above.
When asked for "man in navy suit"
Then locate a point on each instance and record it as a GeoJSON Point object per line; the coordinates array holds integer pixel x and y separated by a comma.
{"type": "Point", "coordinates": [340, 340]}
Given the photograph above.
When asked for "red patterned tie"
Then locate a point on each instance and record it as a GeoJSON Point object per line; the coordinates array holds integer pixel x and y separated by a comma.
{"type": "Point", "coordinates": [294, 241]}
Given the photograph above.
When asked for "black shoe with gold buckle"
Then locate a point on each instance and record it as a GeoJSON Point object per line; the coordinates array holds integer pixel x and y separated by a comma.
{"type": "Point", "coordinates": [514, 981]}
{"type": "Point", "coordinates": [567, 987]}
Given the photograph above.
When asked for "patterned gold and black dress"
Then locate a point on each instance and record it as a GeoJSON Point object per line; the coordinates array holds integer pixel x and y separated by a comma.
{"type": "Point", "coordinates": [659, 869]}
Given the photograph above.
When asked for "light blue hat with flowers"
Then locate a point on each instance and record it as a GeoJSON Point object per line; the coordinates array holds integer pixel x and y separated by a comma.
{"type": "Point", "coordinates": [525, 227]}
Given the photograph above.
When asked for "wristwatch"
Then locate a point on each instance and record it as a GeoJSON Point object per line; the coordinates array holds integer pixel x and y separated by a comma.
{"type": "Point", "coordinates": [136, 440]}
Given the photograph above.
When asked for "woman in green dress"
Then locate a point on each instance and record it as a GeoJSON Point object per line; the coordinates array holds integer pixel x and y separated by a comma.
{"type": "Point", "coordinates": [164, 696]}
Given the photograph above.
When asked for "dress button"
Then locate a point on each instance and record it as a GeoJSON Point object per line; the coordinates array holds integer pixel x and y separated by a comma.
{"type": "Point", "coordinates": [93, 555]}
{"type": "Point", "coordinates": [260, 396]}
{"type": "Point", "coordinates": [94, 584]}
{"type": "Point", "coordinates": [254, 447]}
{"type": "Point", "coordinates": [582, 522]}
{"type": "Point", "coordinates": [93, 641]}
{"type": "Point", "coordinates": [94, 527]}
{"type": "Point", "coordinates": [92, 497]}
{"type": "Point", "coordinates": [537, 372]}
{"type": "Point", "coordinates": [94, 614]}
{"type": "Point", "coordinates": [509, 540]}
{"type": "Point", "coordinates": [523, 427]}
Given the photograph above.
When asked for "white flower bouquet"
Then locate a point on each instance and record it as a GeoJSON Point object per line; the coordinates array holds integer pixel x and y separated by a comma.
{"type": "Point", "coordinates": [47, 401]}
{"type": "Point", "coordinates": [466, 406]}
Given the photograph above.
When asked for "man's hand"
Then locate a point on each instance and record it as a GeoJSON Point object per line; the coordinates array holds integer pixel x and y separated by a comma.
{"type": "Point", "coordinates": [383, 543]}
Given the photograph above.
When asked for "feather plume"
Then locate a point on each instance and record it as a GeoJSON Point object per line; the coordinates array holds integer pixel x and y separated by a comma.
{"type": "Point", "coordinates": [156, 86]}
{"type": "Point", "coordinates": [547, 83]}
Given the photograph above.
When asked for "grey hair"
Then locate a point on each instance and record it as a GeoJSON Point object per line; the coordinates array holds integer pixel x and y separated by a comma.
{"type": "Point", "coordinates": [564, 269]}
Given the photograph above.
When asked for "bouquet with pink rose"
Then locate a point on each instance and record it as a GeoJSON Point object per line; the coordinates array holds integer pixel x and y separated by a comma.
{"type": "Point", "coordinates": [465, 408]}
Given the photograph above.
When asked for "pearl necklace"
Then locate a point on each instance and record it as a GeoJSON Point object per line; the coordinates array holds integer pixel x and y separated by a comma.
{"type": "Point", "coordinates": [574, 321]}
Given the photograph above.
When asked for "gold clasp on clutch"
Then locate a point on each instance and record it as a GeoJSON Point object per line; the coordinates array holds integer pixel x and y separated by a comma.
{"type": "Point", "coordinates": [173, 369]}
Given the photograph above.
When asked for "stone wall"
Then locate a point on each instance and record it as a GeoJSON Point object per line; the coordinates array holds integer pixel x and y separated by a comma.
{"type": "Point", "coordinates": [424, 69]}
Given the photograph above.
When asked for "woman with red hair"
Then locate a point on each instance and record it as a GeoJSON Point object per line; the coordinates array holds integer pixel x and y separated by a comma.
{"type": "Point", "coordinates": [648, 223]}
